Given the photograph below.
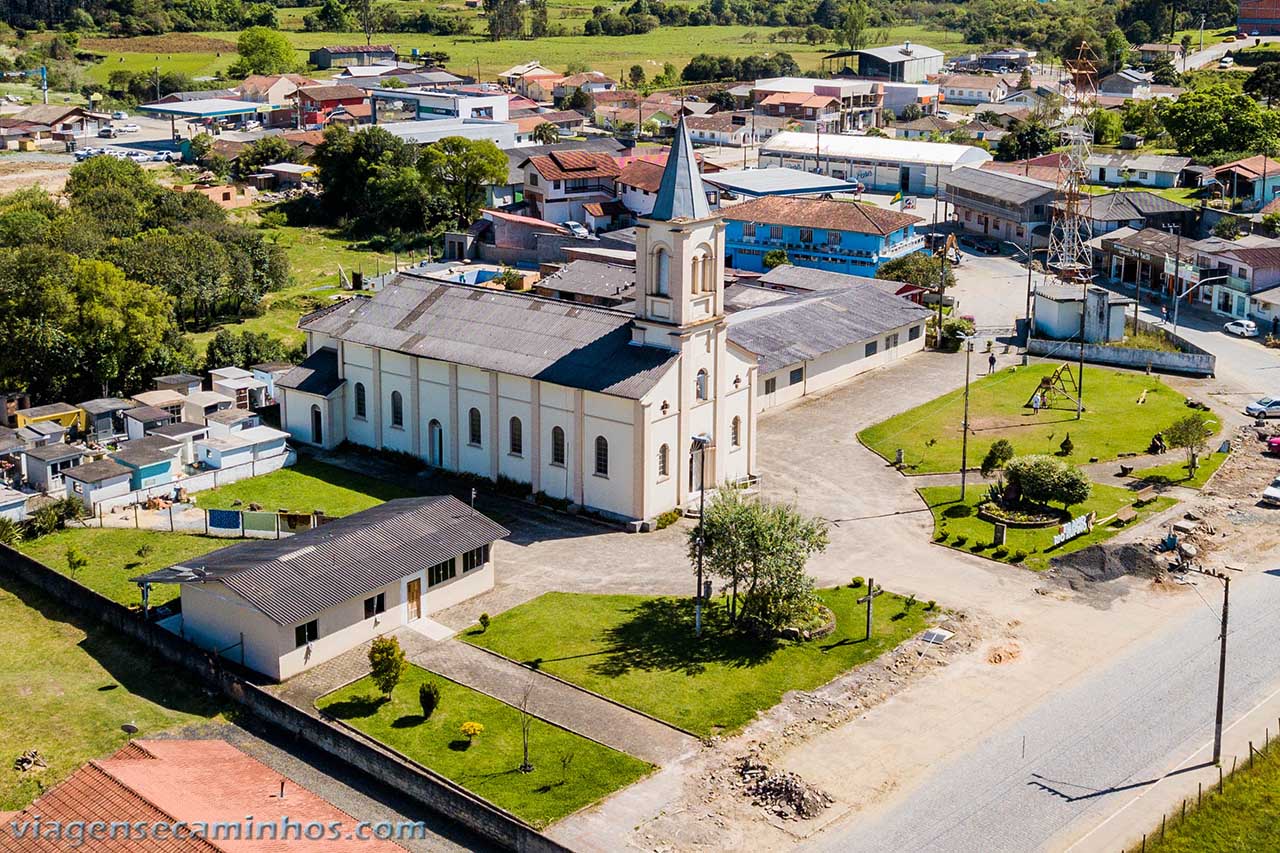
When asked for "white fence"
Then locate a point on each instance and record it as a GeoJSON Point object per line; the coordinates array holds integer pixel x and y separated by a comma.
{"type": "Point", "coordinates": [201, 482]}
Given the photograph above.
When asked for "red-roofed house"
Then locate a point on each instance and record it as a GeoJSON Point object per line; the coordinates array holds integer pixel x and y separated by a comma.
{"type": "Point", "coordinates": [591, 82]}
{"type": "Point", "coordinates": [319, 102]}
{"type": "Point", "coordinates": [168, 782]}
{"type": "Point", "coordinates": [566, 121]}
{"type": "Point", "coordinates": [557, 185]}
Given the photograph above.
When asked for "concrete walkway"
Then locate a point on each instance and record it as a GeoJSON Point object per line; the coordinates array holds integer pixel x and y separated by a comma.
{"type": "Point", "coordinates": [566, 706]}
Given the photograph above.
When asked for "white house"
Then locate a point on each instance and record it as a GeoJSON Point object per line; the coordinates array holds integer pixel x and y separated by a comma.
{"type": "Point", "coordinates": [1148, 170]}
{"type": "Point", "coordinates": [1058, 309]}
{"type": "Point", "coordinates": [285, 605]}
{"type": "Point", "coordinates": [97, 481]}
{"type": "Point", "coordinates": [615, 411]}
{"type": "Point", "coordinates": [558, 185]}
{"type": "Point", "coordinates": [46, 464]}
{"type": "Point", "coordinates": [973, 89]}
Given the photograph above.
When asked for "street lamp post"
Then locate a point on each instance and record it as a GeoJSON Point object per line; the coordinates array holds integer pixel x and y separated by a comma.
{"type": "Point", "coordinates": [700, 442]}
{"type": "Point", "coordinates": [964, 439]}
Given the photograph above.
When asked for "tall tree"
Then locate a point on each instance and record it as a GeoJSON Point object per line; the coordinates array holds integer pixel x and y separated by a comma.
{"type": "Point", "coordinates": [1191, 434]}
{"type": "Point", "coordinates": [460, 169]}
{"type": "Point", "coordinates": [853, 29]}
{"type": "Point", "coordinates": [1264, 82]}
{"type": "Point", "coordinates": [263, 51]}
{"type": "Point", "coordinates": [366, 17]}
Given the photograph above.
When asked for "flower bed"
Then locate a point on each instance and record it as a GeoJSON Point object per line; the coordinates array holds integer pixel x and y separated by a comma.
{"type": "Point", "coordinates": [1018, 518]}
{"type": "Point", "coordinates": [820, 625]}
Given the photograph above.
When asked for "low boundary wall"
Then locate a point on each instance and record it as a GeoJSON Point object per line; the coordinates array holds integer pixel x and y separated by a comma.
{"type": "Point", "coordinates": [1192, 361]}
{"type": "Point", "coordinates": [413, 780]}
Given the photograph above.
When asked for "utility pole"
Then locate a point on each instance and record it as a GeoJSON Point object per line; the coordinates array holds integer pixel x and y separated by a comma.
{"type": "Point", "coordinates": [1177, 265]}
{"type": "Point", "coordinates": [964, 439]}
{"type": "Point", "coordinates": [1027, 249]}
{"type": "Point", "coordinates": [1222, 659]}
{"type": "Point", "coordinates": [1084, 309]}
{"type": "Point", "coordinates": [869, 599]}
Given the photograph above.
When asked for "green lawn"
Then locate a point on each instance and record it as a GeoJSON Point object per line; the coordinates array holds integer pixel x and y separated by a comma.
{"type": "Point", "coordinates": [569, 771]}
{"type": "Point", "coordinates": [307, 486]}
{"type": "Point", "coordinates": [957, 519]}
{"type": "Point", "coordinates": [610, 54]}
{"type": "Point", "coordinates": [117, 555]}
{"type": "Point", "coordinates": [1175, 473]}
{"type": "Point", "coordinates": [192, 64]}
{"type": "Point", "coordinates": [1239, 820]}
{"type": "Point", "coordinates": [68, 686]}
{"type": "Point", "coordinates": [1113, 422]}
{"type": "Point", "coordinates": [640, 651]}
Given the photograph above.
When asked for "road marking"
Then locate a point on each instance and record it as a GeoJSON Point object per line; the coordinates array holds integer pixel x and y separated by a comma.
{"type": "Point", "coordinates": [1182, 764]}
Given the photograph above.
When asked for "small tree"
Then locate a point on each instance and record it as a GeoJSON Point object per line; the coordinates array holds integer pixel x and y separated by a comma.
{"type": "Point", "coordinates": [386, 663]}
{"type": "Point", "coordinates": [471, 730]}
{"type": "Point", "coordinates": [775, 258]}
{"type": "Point", "coordinates": [1191, 434]}
{"type": "Point", "coordinates": [428, 698]}
{"type": "Point", "coordinates": [1072, 486]}
{"type": "Point", "coordinates": [1228, 228]}
{"type": "Point", "coordinates": [76, 560]}
{"type": "Point", "coordinates": [635, 76]}
{"type": "Point", "coordinates": [546, 133]}
{"type": "Point", "coordinates": [484, 622]}
{"type": "Point", "coordinates": [10, 533]}
{"type": "Point", "coordinates": [1000, 452]}
{"type": "Point", "coordinates": [526, 722]}
{"type": "Point", "coordinates": [1067, 447]}
{"type": "Point", "coordinates": [1045, 479]}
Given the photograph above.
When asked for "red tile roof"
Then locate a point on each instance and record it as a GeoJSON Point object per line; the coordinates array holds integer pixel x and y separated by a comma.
{"type": "Point", "coordinates": [340, 92]}
{"type": "Point", "coordinates": [821, 213]}
{"type": "Point", "coordinates": [569, 165]}
{"type": "Point", "coordinates": [642, 174]}
{"type": "Point", "coordinates": [157, 781]}
{"type": "Point", "coordinates": [1251, 166]}
{"type": "Point", "coordinates": [359, 48]}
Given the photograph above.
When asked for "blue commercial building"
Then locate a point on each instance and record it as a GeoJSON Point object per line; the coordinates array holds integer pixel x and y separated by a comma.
{"type": "Point", "coordinates": [837, 236]}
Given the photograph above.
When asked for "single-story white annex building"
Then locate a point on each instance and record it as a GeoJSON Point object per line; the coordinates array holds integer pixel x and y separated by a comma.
{"type": "Point", "coordinates": [98, 481]}
{"type": "Point", "coordinates": [881, 164]}
{"type": "Point", "coordinates": [811, 341]}
{"type": "Point", "coordinates": [281, 606]}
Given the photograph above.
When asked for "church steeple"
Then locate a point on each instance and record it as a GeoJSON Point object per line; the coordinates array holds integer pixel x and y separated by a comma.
{"type": "Point", "coordinates": [681, 194]}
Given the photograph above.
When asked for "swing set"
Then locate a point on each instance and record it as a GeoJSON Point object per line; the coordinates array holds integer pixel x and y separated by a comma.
{"type": "Point", "coordinates": [1054, 387]}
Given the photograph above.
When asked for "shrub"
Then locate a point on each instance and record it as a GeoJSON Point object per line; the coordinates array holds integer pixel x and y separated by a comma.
{"type": "Point", "coordinates": [857, 582]}
{"type": "Point", "coordinates": [979, 547]}
{"type": "Point", "coordinates": [667, 519]}
{"type": "Point", "coordinates": [386, 663]}
{"type": "Point", "coordinates": [484, 622]}
{"type": "Point", "coordinates": [470, 730]}
{"type": "Point", "coordinates": [10, 534]}
{"type": "Point", "coordinates": [1067, 446]}
{"type": "Point", "coordinates": [1000, 552]}
{"type": "Point", "coordinates": [1019, 556]}
{"type": "Point", "coordinates": [998, 454]}
{"type": "Point", "coordinates": [958, 511]}
{"type": "Point", "coordinates": [428, 698]}
{"type": "Point", "coordinates": [961, 539]}
{"type": "Point", "coordinates": [942, 536]}
{"type": "Point", "coordinates": [931, 605]}
{"type": "Point", "coordinates": [910, 602]}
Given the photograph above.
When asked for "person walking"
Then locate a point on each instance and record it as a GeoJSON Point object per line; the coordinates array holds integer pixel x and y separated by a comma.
{"type": "Point", "coordinates": [1036, 403]}
{"type": "Point", "coordinates": [991, 363]}
{"type": "Point", "coordinates": [1164, 314]}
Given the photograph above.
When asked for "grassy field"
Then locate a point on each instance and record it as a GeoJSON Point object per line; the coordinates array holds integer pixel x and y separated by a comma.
{"type": "Point", "coordinates": [117, 555]}
{"type": "Point", "coordinates": [641, 651]}
{"type": "Point", "coordinates": [194, 53]}
{"type": "Point", "coordinates": [69, 686]}
{"type": "Point", "coordinates": [569, 771]}
{"type": "Point", "coordinates": [314, 257]}
{"type": "Point", "coordinates": [960, 520]}
{"type": "Point", "coordinates": [308, 486]}
{"type": "Point", "coordinates": [1113, 422]}
{"type": "Point", "coordinates": [1176, 474]}
{"type": "Point", "coordinates": [1239, 820]}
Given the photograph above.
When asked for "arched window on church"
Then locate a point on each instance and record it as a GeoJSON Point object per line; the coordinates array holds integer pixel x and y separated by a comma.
{"type": "Point", "coordinates": [664, 461]}
{"type": "Point", "coordinates": [735, 432]}
{"type": "Point", "coordinates": [700, 385]}
{"type": "Point", "coordinates": [706, 275]}
{"type": "Point", "coordinates": [661, 272]}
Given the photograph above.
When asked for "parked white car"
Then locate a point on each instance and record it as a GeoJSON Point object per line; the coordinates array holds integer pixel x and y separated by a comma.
{"type": "Point", "coordinates": [1267, 407]}
{"type": "Point", "coordinates": [129, 128]}
{"type": "Point", "coordinates": [165, 156]}
{"type": "Point", "coordinates": [1243, 328]}
{"type": "Point", "coordinates": [1226, 62]}
{"type": "Point", "coordinates": [119, 115]}
{"type": "Point", "coordinates": [577, 229]}
{"type": "Point", "coordinates": [1271, 494]}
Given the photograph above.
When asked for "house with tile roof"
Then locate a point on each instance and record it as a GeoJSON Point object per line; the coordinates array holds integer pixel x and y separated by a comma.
{"type": "Point", "coordinates": [183, 783]}
{"type": "Point", "coordinates": [558, 184]}
{"type": "Point", "coordinates": [620, 412]}
{"type": "Point", "coordinates": [973, 88]}
{"type": "Point", "coordinates": [839, 236]}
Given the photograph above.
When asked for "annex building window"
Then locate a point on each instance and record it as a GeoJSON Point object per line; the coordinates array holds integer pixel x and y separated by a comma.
{"type": "Point", "coordinates": [307, 632]}
{"type": "Point", "coordinates": [375, 605]}
{"type": "Point", "coordinates": [360, 403]}
{"type": "Point", "coordinates": [474, 434]}
{"type": "Point", "coordinates": [475, 558]}
{"type": "Point", "coordinates": [441, 572]}
{"type": "Point", "coordinates": [602, 456]}
{"type": "Point", "coordinates": [557, 446]}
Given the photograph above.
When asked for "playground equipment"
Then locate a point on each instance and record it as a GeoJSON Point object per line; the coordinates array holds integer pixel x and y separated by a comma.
{"type": "Point", "coordinates": [1059, 384]}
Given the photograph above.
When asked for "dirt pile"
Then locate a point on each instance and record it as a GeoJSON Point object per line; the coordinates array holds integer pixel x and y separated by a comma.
{"type": "Point", "coordinates": [783, 794]}
{"type": "Point", "coordinates": [1107, 562]}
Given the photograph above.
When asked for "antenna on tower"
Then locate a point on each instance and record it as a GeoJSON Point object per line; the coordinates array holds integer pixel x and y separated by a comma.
{"type": "Point", "coordinates": [1070, 258]}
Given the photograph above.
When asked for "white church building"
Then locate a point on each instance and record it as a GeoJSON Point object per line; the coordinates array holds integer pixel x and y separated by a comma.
{"type": "Point", "coordinates": [617, 412]}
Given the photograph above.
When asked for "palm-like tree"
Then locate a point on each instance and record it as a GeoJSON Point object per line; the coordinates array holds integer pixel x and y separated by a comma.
{"type": "Point", "coordinates": [546, 133]}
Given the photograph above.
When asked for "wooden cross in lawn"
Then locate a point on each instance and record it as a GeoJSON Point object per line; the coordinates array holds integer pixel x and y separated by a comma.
{"type": "Point", "coordinates": [869, 599]}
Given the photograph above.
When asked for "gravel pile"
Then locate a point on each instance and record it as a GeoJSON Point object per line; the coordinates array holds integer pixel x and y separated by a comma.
{"type": "Point", "coordinates": [783, 794]}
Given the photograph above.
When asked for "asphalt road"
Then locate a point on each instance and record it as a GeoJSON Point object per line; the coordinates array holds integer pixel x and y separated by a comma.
{"type": "Point", "coordinates": [1089, 749]}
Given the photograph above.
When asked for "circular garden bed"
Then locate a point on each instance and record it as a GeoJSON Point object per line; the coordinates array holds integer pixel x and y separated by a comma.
{"type": "Point", "coordinates": [822, 623]}
{"type": "Point", "coordinates": [1022, 518]}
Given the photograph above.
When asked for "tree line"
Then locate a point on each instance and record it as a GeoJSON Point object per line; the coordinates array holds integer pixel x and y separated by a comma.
{"type": "Point", "coordinates": [96, 292]}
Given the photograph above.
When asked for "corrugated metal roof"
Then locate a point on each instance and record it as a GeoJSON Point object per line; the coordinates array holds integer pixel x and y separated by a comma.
{"type": "Point", "coordinates": [290, 580]}
{"type": "Point", "coordinates": [318, 374]}
{"type": "Point", "coordinates": [591, 278]}
{"type": "Point", "coordinates": [806, 326]}
{"type": "Point", "coordinates": [1001, 186]}
{"type": "Point", "coordinates": [873, 149]}
{"type": "Point", "coordinates": [571, 345]}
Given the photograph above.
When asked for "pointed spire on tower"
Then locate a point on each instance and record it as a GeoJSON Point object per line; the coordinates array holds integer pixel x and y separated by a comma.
{"type": "Point", "coordinates": [681, 194]}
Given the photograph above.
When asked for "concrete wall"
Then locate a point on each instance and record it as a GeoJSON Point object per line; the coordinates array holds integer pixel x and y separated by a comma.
{"type": "Point", "coordinates": [1194, 363]}
{"type": "Point", "coordinates": [200, 482]}
{"type": "Point", "coordinates": [419, 783]}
